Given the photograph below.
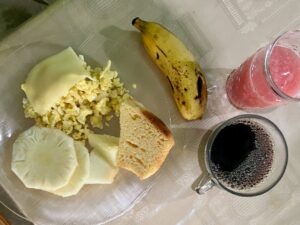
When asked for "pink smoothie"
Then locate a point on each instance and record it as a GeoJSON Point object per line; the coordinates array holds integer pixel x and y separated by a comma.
{"type": "Point", "coordinates": [247, 87]}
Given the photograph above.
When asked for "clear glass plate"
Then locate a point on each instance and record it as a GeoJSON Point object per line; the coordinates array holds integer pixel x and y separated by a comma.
{"type": "Point", "coordinates": [95, 204]}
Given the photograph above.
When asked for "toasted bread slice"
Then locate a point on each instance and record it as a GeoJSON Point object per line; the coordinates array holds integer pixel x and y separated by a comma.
{"type": "Point", "coordinates": [145, 140]}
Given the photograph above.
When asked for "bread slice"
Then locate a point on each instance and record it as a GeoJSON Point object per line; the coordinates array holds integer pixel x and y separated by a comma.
{"type": "Point", "coordinates": [145, 140]}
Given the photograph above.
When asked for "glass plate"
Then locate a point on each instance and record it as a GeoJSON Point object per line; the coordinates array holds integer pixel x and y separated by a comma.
{"type": "Point", "coordinates": [95, 204]}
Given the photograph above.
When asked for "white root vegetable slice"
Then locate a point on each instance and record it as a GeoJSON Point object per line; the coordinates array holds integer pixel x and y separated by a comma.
{"type": "Point", "coordinates": [101, 172]}
{"type": "Point", "coordinates": [80, 174]}
{"type": "Point", "coordinates": [44, 158]}
{"type": "Point", "coordinates": [106, 145]}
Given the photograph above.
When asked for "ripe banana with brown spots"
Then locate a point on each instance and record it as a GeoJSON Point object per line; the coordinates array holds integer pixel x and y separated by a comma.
{"type": "Point", "coordinates": [179, 65]}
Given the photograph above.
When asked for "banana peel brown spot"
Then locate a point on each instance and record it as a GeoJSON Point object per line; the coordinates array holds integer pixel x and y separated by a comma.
{"type": "Point", "coordinates": [161, 51]}
{"type": "Point", "coordinates": [171, 84]}
{"type": "Point", "coordinates": [199, 87]}
{"type": "Point", "coordinates": [175, 69]}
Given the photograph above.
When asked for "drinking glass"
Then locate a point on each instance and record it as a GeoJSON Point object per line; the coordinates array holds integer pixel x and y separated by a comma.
{"type": "Point", "coordinates": [270, 77]}
{"type": "Point", "coordinates": [278, 163]}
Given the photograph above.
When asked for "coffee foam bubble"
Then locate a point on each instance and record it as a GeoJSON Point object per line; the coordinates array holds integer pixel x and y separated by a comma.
{"type": "Point", "coordinates": [255, 168]}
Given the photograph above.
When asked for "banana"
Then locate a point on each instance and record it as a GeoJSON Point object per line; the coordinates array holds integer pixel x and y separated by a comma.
{"type": "Point", "coordinates": [186, 78]}
{"type": "Point", "coordinates": [44, 158]}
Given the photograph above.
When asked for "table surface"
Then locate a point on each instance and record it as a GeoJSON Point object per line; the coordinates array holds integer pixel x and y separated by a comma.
{"type": "Point", "coordinates": [224, 33]}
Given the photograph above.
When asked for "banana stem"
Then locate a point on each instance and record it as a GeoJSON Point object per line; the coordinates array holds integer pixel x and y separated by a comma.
{"type": "Point", "coordinates": [138, 23]}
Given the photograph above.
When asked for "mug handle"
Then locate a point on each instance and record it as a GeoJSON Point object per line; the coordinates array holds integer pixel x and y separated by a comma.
{"type": "Point", "coordinates": [205, 184]}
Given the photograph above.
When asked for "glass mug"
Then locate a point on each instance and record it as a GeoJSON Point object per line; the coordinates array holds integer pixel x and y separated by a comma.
{"type": "Point", "coordinates": [246, 155]}
{"type": "Point", "coordinates": [269, 77]}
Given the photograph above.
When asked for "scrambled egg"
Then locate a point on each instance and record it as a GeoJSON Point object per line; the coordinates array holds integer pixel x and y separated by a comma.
{"type": "Point", "coordinates": [88, 104]}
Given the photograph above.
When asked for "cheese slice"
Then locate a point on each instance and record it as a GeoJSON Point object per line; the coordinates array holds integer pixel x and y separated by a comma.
{"type": "Point", "coordinates": [101, 172]}
{"type": "Point", "coordinates": [106, 145]}
{"type": "Point", "coordinates": [52, 78]}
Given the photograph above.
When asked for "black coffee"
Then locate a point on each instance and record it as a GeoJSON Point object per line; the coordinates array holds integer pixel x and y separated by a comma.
{"type": "Point", "coordinates": [242, 154]}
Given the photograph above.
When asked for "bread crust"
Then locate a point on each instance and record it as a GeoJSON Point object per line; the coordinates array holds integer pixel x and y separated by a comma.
{"type": "Point", "coordinates": [157, 123]}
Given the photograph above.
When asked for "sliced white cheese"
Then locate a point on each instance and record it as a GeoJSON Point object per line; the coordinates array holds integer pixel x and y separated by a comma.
{"type": "Point", "coordinates": [106, 146]}
{"type": "Point", "coordinates": [52, 78]}
{"type": "Point", "coordinates": [101, 172]}
{"type": "Point", "coordinates": [80, 174]}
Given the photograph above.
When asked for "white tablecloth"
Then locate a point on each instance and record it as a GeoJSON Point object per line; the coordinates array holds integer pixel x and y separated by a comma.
{"type": "Point", "coordinates": [221, 33]}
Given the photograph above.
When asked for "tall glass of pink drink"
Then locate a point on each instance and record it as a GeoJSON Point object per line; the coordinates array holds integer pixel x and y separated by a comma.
{"type": "Point", "coordinates": [269, 77]}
